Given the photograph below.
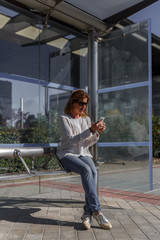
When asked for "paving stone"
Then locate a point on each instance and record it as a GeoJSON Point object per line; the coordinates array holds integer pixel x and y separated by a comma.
{"type": "Point", "coordinates": [121, 236]}
{"type": "Point", "coordinates": [67, 233]}
{"type": "Point", "coordinates": [86, 235]}
{"type": "Point", "coordinates": [102, 234]}
{"type": "Point", "coordinates": [139, 237]}
{"type": "Point", "coordinates": [56, 212]}
{"type": "Point", "coordinates": [17, 234]}
{"type": "Point", "coordinates": [4, 233]}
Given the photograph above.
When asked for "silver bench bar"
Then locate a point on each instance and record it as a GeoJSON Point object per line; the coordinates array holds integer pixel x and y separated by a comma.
{"type": "Point", "coordinates": [26, 152]}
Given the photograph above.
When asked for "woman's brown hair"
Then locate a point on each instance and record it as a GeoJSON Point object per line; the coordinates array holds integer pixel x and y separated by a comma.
{"type": "Point", "coordinates": [76, 96]}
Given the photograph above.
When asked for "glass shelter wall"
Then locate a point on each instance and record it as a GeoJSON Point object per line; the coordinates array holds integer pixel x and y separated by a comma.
{"type": "Point", "coordinates": [125, 102]}
{"type": "Point", "coordinates": [39, 67]}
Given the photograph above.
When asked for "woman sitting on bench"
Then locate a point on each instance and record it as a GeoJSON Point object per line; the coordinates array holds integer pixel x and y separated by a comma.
{"type": "Point", "coordinates": [77, 135]}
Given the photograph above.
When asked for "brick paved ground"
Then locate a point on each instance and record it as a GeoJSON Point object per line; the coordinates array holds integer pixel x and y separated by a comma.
{"type": "Point", "coordinates": [55, 212]}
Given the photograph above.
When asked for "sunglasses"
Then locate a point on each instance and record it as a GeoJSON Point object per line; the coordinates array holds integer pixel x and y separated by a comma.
{"type": "Point", "coordinates": [82, 104]}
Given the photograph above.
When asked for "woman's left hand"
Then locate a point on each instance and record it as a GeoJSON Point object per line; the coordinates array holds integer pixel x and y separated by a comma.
{"type": "Point", "coordinates": [101, 127]}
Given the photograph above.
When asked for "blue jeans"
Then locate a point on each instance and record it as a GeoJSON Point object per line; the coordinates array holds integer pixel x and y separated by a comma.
{"type": "Point", "coordinates": [88, 172]}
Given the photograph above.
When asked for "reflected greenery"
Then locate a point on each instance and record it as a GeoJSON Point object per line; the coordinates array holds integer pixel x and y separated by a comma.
{"type": "Point", "coordinates": [43, 129]}
{"type": "Point", "coordinates": [9, 135]}
{"type": "Point", "coordinates": [119, 128]}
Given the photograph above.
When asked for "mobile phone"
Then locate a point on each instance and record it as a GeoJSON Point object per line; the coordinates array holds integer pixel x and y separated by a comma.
{"type": "Point", "coordinates": [101, 119]}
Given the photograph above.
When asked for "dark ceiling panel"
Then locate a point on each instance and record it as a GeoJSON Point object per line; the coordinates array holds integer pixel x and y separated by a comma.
{"type": "Point", "coordinates": [103, 9]}
{"type": "Point", "coordinates": [85, 15]}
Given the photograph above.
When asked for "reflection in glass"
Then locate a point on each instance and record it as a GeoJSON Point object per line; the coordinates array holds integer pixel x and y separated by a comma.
{"type": "Point", "coordinates": [69, 66]}
{"type": "Point", "coordinates": [41, 107]}
{"type": "Point", "coordinates": [29, 58]}
{"type": "Point", "coordinates": [124, 147]}
{"type": "Point", "coordinates": [124, 60]}
{"type": "Point", "coordinates": [126, 115]}
{"type": "Point", "coordinates": [124, 168]}
{"type": "Point", "coordinates": [127, 154]}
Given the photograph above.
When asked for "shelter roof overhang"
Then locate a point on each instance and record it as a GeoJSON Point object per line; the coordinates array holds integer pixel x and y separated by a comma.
{"type": "Point", "coordinates": [85, 15]}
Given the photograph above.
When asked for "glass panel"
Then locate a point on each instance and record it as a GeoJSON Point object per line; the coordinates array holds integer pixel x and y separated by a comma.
{"type": "Point", "coordinates": [31, 55]}
{"type": "Point", "coordinates": [124, 59]}
{"type": "Point", "coordinates": [125, 145]}
{"type": "Point", "coordinates": [18, 95]}
{"type": "Point", "coordinates": [51, 54]}
{"type": "Point", "coordinates": [53, 104]}
{"type": "Point", "coordinates": [128, 154]}
{"type": "Point", "coordinates": [69, 65]}
{"type": "Point", "coordinates": [126, 115]}
{"type": "Point", "coordinates": [124, 168]}
{"type": "Point", "coordinates": [31, 52]}
{"type": "Point", "coordinates": [39, 122]}
{"type": "Point", "coordinates": [17, 55]}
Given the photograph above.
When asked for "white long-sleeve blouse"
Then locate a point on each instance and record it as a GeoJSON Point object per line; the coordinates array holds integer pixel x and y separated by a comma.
{"type": "Point", "coordinates": [76, 137]}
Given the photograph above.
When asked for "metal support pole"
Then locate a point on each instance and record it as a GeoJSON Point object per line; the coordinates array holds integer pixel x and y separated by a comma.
{"type": "Point", "coordinates": [150, 104]}
{"type": "Point", "coordinates": [33, 159]}
{"type": "Point", "coordinates": [93, 88]}
{"type": "Point", "coordinates": [93, 82]}
{"type": "Point", "coordinates": [18, 154]}
{"type": "Point", "coordinates": [21, 113]}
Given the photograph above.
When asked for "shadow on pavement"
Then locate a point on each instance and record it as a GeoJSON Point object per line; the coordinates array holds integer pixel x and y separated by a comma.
{"type": "Point", "coordinates": [19, 215]}
{"type": "Point", "coordinates": [21, 210]}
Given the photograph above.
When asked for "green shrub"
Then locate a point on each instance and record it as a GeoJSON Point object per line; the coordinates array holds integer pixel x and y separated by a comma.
{"type": "Point", "coordinates": [156, 135]}
{"type": "Point", "coordinates": [43, 129]}
{"type": "Point", "coordinates": [9, 135]}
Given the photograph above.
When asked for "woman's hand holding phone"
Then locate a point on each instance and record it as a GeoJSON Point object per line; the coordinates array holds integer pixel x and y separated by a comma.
{"type": "Point", "coordinates": [98, 126]}
{"type": "Point", "coordinates": [101, 125]}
